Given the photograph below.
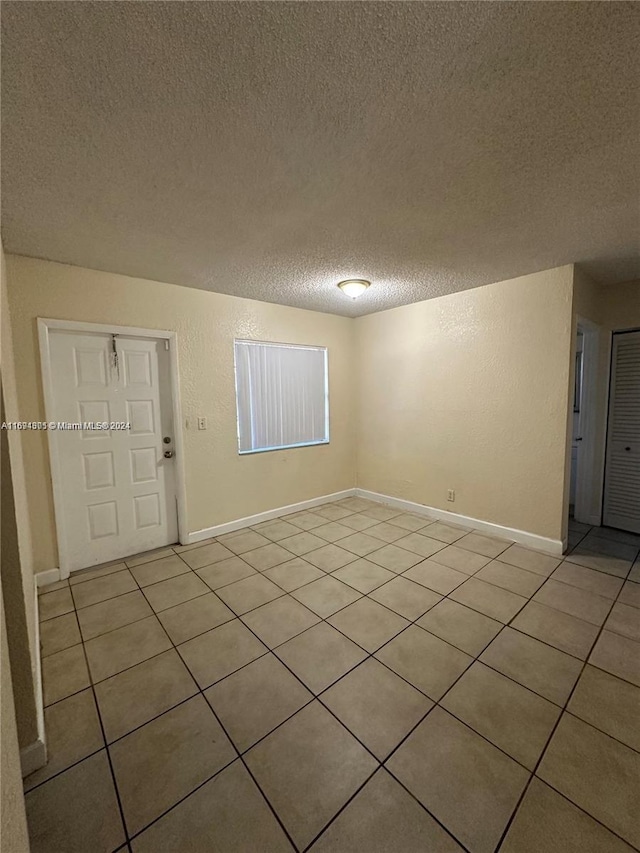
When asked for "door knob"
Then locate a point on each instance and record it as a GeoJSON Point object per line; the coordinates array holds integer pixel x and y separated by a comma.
{"type": "Point", "coordinates": [167, 439]}
{"type": "Point", "coordinates": [168, 454]}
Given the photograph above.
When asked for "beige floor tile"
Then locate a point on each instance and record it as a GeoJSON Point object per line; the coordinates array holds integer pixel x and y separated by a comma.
{"type": "Point", "coordinates": [111, 653]}
{"type": "Point", "coordinates": [368, 623]}
{"type": "Point", "coordinates": [73, 732]}
{"type": "Point", "coordinates": [355, 504]}
{"type": "Point", "coordinates": [276, 530]}
{"type": "Point", "coordinates": [174, 591]}
{"type": "Point", "coordinates": [243, 540]}
{"type": "Point", "coordinates": [267, 556]}
{"type": "Point", "coordinates": [617, 566]}
{"type": "Point", "coordinates": [77, 811]}
{"type": "Point", "coordinates": [301, 543]}
{"type": "Point", "coordinates": [491, 600]}
{"type": "Point", "coordinates": [361, 544]}
{"type": "Point", "coordinates": [420, 544]}
{"type": "Point", "coordinates": [63, 674]}
{"type": "Point", "coordinates": [332, 512]}
{"type": "Point", "coordinates": [148, 556]}
{"type": "Point", "coordinates": [253, 701]}
{"type": "Point", "coordinates": [226, 814]}
{"type": "Point", "coordinates": [614, 535]}
{"type": "Point", "coordinates": [395, 559]}
{"type": "Point", "coordinates": [293, 574]}
{"type": "Point", "coordinates": [306, 520]}
{"type": "Point", "coordinates": [52, 587]}
{"type": "Point", "coordinates": [459, 625]}
{"type": "Point", "coordinates": [330, 557]}
{"type": "Point", "coordinates": [114, 613]}
{"type": "Point", "coordinates": [509, 577]}
{"type": "Point", "coordinates": [556, 628]}
{"type": "Point", "coordinates": [96, 572]}
{"type": "Point", "coordinates": [630, 594]}
{"type": "Point", "coordinates": [325, 596]}
{"type": "Point", "coordinates": [188, 620]}
{"type": "Point", "coordinates": [158, 764]}
{"type": "Point", "coordinates": [363, 575]}
{"type": "Point", "coordinates": [436, 577]}
{"type": "Point", "coordinates": [597, 773]}
{"type": "Point", "coordinates": [381, 512]}
{"type": "Point", "coordinates": [574, 601]}
{"type": "Point", "coordinates": [132, 698]}
{"type": "Point", "coordinates": [532, 561]}
{"type": "Point", "coordinates": [331, 532]}
{"type": "Point", "coordinates": [412, 523]}
{"type": "Point", "coordinates": [618, 655]}
{"type": "Point", "coordinates": [53, 604]}
{"type": "Point", "coordinates": [634, 574]}
{"type": "Point", "coordinates": [405, 597]}
{"type": "Point", "coordinates": [540, 667]}
{"type": "Point", "coordinates": [609, 547]}
{"type": "Point", "coordinates": [387, 532]}
{"type": "Point", "coordinates": [101, 589]}
{"type": "Point", "coordinates": [179, 549]}
{"type": "Point", "coordinates": [225, 572]}
{"type": "Point", "coordinates": [513, 718]}
{"type": "Point", "coordinates": [308, 769]}
{"type": "Point", "coordinates": [160, 570]}
{"type": "Point", "coordinates": [546, 821]}
{"type": "Point", "coordinates": [381, 818]}
{"type": "Point", "coordinates": [245, 595]}
{"type": "Point", "coordinates": [359, 521]}
{"type": "Point", "coordinates": [609, 704]}
{"type": "Point", "coordinates": [466, 783]}
{"type": "Point", "coordinates": [280, 620]}
{"type": "Point", "coordinates": [588, 579]}
{"type": "Point", "coordinates": [461, 560]}
{"type": "Point", "coordinates": [220, 652]}
{"type": "Point", "coordinates": [377, 706]}
{"type": "Point", "coordinates": [448, 533]}
{"type": "Point", "coordinates": [624, 620]}
{"type": "Point", "coordinates": [206, 555]}
{"type": "Point", "coordinates": [487, 546]}
{"type": "Point", "coordinates": [425, 661]}
{"type": "Point", "coordinates": [320, 656]}
{"type": "Point", "coordinates": [59, 633]}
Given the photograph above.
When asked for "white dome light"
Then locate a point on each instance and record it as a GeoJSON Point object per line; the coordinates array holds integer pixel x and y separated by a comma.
{"type": "Point", "coordinates": [353, 287]}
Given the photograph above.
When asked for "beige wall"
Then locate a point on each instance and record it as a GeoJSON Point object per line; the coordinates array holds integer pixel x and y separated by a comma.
{"type": "Point", "coordinates": [221, 486]}
{"type": "Point", "coordinates": [470, 392]}
{"type": "Point", "coordinates": [621, 306]}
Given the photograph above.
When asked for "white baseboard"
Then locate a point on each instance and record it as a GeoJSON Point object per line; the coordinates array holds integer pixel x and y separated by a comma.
{"type": "Point", "coordinates": [34, 756]}
{"type": "Point", "coordinates": [45, 578]}
{"type": "Point", "coordinates": [522, 537]}
{"type": "Point", "coordinates": [230, 526]}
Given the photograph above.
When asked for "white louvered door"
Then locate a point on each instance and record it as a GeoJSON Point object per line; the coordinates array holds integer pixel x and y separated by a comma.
{"type": "Point", "coordinates": [118, 490]}
{"type": "Point", "coordinates": [622, 475]}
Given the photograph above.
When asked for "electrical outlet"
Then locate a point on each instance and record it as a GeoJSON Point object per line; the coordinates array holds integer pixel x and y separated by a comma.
{"type": "Point", "coordinates": [451, 494]}
{"type": "Point", "coordinates": [202, 423]}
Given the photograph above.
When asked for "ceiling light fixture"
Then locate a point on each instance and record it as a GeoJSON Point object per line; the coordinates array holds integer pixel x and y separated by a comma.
{"type": "Point", "coordinates": [353, 287]}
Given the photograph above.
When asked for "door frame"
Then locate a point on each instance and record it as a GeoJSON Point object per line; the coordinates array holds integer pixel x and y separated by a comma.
{"type": "Point", "coordinates": [45, 326]}
{"type": "Point", "coordinates": [588, 503]}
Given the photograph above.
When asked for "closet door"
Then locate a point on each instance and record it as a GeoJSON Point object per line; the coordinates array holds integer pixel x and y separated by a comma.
{"type": "Point", "coordinates": [622, 474]}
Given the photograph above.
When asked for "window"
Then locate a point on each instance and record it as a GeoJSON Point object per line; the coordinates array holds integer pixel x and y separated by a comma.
{"type": "Point", "coordinates": [282, 395]}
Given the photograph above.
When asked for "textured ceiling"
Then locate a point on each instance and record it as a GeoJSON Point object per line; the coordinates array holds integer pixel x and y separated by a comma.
{"type": "Point", "coordinates": [271, 149]}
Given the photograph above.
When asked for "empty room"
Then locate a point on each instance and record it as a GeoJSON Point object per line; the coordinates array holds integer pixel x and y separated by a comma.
{"type": "Point", "coordinates": [320, 435]}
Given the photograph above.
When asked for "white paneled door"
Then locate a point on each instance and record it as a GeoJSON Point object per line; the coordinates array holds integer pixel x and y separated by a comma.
{"type": "Point", "coordinates": [117, 485]}
{"type": "Point", "coordinates": [622, 477]}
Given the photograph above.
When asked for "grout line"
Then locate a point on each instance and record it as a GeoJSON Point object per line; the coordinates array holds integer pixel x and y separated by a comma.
{"type": "Point", "coordinates": [316, 697]}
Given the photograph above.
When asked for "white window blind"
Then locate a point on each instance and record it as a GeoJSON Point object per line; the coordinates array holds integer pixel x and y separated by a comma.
{"type": "Point", "coordinates": [282, 395]}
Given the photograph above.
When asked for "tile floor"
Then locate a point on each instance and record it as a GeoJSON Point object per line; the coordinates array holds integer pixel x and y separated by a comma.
{"type": "Point", "coordinates": [351, 679]}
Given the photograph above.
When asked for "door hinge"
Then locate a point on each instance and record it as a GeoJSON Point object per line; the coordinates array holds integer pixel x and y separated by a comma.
{"type": "Point", "coordinates": [166, 343]}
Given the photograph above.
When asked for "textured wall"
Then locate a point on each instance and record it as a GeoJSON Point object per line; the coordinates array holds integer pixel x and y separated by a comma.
{"type": "Point", "coordinates": [221, 486]}
{"type": "Point", "coordinates": [469, 392]}
{"type": "Point", "coordinates": [621, 306]}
